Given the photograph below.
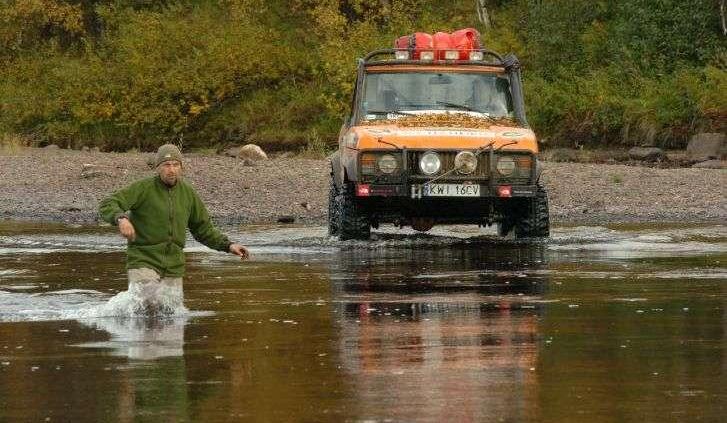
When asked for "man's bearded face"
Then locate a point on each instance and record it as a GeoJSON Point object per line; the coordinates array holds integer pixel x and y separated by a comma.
{"type": "Point", "coordinates": [170, 172]}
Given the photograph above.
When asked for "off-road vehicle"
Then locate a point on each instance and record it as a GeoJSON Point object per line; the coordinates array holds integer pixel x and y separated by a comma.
{"type": "Point", "coordinates": [437, 134]}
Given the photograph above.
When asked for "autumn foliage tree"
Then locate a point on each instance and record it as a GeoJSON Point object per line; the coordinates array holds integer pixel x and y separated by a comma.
{"type": "Point", "coordinates": [126, 74]}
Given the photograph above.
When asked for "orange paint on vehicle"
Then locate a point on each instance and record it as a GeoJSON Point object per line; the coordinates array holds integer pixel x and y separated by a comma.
{"type": "Point", "coordinates": [444, 138]}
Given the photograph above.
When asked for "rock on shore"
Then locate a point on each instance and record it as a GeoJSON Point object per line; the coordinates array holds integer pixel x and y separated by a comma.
{"type": "Point", "coordinates": [39, 184]}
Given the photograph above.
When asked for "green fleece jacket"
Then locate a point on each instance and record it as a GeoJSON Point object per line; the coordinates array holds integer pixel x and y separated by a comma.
{"type": "Point", "coordinates": [160, 216]}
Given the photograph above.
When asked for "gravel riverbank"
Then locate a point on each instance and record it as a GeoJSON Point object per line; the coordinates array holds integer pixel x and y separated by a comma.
{"type": "Point", "coordinates": [51, 185]}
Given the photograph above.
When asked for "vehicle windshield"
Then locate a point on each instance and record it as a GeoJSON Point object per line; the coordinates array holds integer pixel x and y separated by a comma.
{"type": "Point", "coordinates": [388, 95]}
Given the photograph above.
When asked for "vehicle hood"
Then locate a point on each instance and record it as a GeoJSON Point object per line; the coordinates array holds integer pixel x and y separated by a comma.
{"type": "Point", "coordinates": [369, 137]}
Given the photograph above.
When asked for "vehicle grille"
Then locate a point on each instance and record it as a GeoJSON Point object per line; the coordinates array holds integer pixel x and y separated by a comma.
{"type": "Point", "coordinates": [447, 157]}
{"type": "Point", "coordinates": [481, 173]}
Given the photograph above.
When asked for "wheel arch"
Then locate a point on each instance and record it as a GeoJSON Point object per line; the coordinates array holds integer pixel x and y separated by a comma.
{"type": "Point", "coordinates": [339, 172]}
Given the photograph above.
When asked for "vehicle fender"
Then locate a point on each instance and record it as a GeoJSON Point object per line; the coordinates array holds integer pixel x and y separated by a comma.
{"type": "Point", "coordinates": [538, 170]}
{"type": "Point", "coordinates": [350, 170]}
{"type": "Point", "coordinates": [337, 171]}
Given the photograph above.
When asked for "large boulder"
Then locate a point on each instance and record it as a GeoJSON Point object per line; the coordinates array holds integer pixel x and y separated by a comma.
{"type": "Point", "coordinates": [249, 153]}
{"type": "Point", "coordinates": [707, 146]}
{"type": "Point", "coordinates": [647, 154]}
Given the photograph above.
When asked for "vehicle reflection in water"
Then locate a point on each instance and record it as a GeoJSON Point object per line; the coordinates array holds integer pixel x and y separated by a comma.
{"type": "Point", "coordinates": [442, 335]}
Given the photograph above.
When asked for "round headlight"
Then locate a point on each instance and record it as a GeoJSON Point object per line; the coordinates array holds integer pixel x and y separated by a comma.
{"type": "Point", "coordinates": [387, 163]}
{"type": "Point", "coordinates": [506, 166]}
{"type": "Point", "coordinates": [465, 162]}
{"type": "Point", "coordinates": [430, 163]}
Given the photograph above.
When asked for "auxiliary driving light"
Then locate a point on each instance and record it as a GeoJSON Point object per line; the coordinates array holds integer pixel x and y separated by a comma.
{"type": "Point", "coordinates": [505, 166]}
{"type": "Point", "coordinates": [465, 162]}
{"type": "Point", "coordinates": [401, 55]}
{"type": "Point", "coordinates": [426, 55]}
{"type": "Point", "coordinates": [476, 55]}
{"type": "Point", "coordinates": [430, 163]}
{"type": "Point", "coordinates": [451, 55]}
{"type": "Point", "coordinates": [387, 164]}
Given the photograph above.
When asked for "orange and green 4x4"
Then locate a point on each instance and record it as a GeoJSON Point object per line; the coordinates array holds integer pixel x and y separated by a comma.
{"type": "Point", "coordinates": [432, 141]}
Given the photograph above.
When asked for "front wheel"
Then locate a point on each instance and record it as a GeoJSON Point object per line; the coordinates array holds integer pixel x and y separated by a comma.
{"type": "Point", "coordinates": [333, 210]}
{"type": "Point", "coordinates": [353, 223]}
{"type": "Point", "coordinates": [504, 227]}
{"type": "Point", "coordinates": [534, 222]}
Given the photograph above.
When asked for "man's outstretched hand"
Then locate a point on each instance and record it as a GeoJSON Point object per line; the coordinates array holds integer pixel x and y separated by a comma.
{"type": "Point", "coordinates": [127, 229]}
{"type": "Point", "coordinates": [240, 251]}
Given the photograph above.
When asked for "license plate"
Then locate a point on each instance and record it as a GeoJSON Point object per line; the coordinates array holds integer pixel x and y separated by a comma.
{"type": "Point", "coordinates": [450, 190]}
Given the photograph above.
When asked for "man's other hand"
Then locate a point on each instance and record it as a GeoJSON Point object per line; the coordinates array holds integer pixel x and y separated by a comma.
{"type": "Point", "coordinates": [240, 251]}
{"type": "Point", "coordinates": [127, 229]}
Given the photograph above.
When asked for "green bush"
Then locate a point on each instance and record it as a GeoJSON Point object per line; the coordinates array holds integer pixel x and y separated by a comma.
{"type": "Point", "coordinates": [136, 73]}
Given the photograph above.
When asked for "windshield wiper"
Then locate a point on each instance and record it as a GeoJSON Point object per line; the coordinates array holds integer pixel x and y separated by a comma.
{"type": "Point", "coordinates": [386, 112]}
{"type": "Point", "coordinates": [458, 106]}
{"type": "Point", "coordinates": [505, 145]}
{"type": "Point", "coordinates": [388, 143]}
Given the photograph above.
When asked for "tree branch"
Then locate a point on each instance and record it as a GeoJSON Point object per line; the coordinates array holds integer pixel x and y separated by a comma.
{"type": "Point", "coordinates": [484, 16]}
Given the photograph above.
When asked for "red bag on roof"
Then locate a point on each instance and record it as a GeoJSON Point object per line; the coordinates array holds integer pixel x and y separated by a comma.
{"type": "Point", "coordinates": [465, 40]}
{"type": "Point", "coordinates": [442, 42]}
{"type": "Point", "coordinates": [418, 41]}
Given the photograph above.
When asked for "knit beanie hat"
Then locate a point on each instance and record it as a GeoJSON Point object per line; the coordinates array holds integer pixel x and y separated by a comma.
{"type": "Point", "coordinates": [167, 152]}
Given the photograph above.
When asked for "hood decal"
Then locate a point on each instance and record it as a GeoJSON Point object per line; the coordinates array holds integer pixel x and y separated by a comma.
{"type": "Point", "coordinates": [443, 132]}
{"type": "Point", "coordinates": [377, 132]}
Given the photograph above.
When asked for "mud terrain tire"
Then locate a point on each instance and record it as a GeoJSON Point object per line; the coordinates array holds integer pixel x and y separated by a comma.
{"type": "Point", "coordinates": [333, 211]}
{"type": "Point", "coordinates": [352, 222]}
{"type": "Point", "coordinates": [534, 222]}
{"type": "Point", "coordinates": [505, 226]}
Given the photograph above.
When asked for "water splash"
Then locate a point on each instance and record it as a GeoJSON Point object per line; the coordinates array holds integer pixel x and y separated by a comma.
{"type": "Point", "coordinates": [140, 300]}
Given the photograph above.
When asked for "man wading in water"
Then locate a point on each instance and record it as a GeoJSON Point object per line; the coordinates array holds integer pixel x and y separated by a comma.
{"type": "Point", "coordinates": [153, 214]}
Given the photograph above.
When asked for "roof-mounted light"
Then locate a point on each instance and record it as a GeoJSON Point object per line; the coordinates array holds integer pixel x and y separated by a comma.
{"type": "Point", "coordinates": [401, 55]}
{"type": "Point", "coordinates": [426, 55]}
{"type": "Point", "coordinates": [477, 55]}
{"type": "Point", "coordinates": [451, 54]}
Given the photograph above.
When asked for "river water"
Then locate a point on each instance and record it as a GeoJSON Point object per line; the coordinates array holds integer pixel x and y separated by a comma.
{"type": "Point", "coordinates": [625, 323]}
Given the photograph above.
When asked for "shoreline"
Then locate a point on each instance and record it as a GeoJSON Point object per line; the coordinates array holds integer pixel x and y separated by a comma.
{"type": "Point", "coordinates": [65, 186]}
{"type": "Point", "coordinates": [90, 219]}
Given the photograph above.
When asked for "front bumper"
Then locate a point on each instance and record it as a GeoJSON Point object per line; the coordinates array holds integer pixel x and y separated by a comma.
{"type": "Point", "coordinates": [418, 191]}
{"type": "Point", "coordinates": [485, 181]}
{"type": "Point", "coordinates": [403, 204]}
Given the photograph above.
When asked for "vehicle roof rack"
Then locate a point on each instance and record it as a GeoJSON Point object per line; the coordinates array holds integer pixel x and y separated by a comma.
{"type": "Point", "coordinates": [372, 58]}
